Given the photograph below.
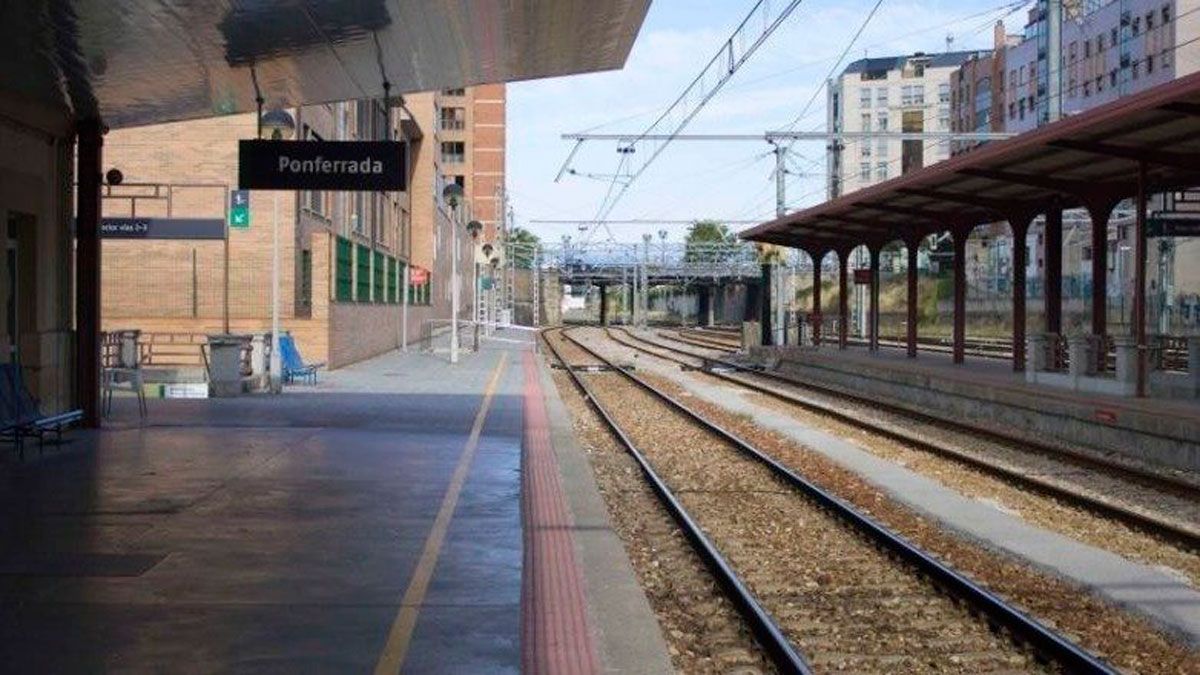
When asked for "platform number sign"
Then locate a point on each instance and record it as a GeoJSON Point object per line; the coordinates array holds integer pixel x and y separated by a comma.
{"type": "Point", "coordinates": [239, 209]}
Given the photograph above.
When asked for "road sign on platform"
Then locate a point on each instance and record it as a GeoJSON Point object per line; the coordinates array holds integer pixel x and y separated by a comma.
{"type": "Point", "coordinates": [1175, 224]}
{"type": "Point", "coordinates": [239, 209]}
{"type": "Point", "coordinates": [362, 166]}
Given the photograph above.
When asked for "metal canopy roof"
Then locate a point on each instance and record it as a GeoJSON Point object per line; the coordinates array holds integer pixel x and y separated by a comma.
{"type": "Point", "coordinates": [1088, 160]}
{"type": "Point", "coordinates": [138, 62]}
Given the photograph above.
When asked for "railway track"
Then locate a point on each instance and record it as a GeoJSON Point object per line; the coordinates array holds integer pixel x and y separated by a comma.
{"type": "Point", "coordinates": [821, 585]}
{"type": "Point", "coordinates": [1113, 494]}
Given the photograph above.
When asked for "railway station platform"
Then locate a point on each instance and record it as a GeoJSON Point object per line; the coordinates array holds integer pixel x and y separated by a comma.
{"type": "Point", "coordinates": [987, 392]}
{"type": "Point", "coordinates": [404, 515]}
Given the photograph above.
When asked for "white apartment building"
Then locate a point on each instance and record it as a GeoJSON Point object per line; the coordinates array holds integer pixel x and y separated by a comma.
{"type": "Point", "coordinates": [893, 93]}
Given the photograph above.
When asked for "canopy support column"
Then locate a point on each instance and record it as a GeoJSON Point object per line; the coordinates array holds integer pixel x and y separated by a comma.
{"type": "Point", "coordinates": [1052, 262]}
{"type": "Point", "coordinates": [1019, 224]}
{"type": "Point", "coordinates": [960, 292]}
{"type": "Point", "coordinates": [816, 299]}
{"type": "Point", "coordinates": [764, 306]}
{"type": "Point", "coordinates": [603, 304]}
{"type": "Point", "coordinates": [912, 246]}
{"type": "Point", "coordinates": [89, 167]}
{"type": "Point", "coordinates": [843, 299]}
{"type": "Point", "coordinates": [1139, 280]}
{"type": "Point", "coordinates": [873, 313]}
{"type": "Point", "coordinates": [1099, 215]}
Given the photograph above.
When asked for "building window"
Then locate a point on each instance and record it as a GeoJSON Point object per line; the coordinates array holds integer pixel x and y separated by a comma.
{"type": "Point", "coordinates": [1100, 43]}
{"type": "Point", "coordinates": [1149, 21]}
{"type": "Point", "coordinates": [1087, 89]}
{"type": "Point", "coordinates": [866, 121]}
{"type": "Point", "coordinates": [944, 92]}
{"type": "Point", "coordinates": [1137, 25]}
{"type": "Point", "coordinates": [1087, 48]}
{"type": "Point", "coordinates": [454, 92]}
{"type": "Point", "coordinates": [864, 171]}
{"type": "Point", "coordinates": [881, 171]}
{"type": "Point", "coordinates": [453, 119]}
{"type": "Point", "coordinates": [1166, 14]}
{"type": "Point", "coordinates": [864, 98]}
{"type": "Point", "coordinates": [1149, 63]}
{"type": "Point", "coordinates": [881, 147]}
{"type": "Point", "coordinates": [865, 147]}
{"type": "Point", "coordinates": [1099, 83]}
{"type": "Point", "coordinates": [1135, 69]}
{"type": "Point", "coordinates": [1112, 78]}
{"type": "Point", "coordinates": [454, 152]}
{"type": "Point", "coordinates": [912, 94]}
{"type": "Point", "coordinates": [881, 120]}
{"type": "Point", "coordinates": [1165, 59]}
{"type": "Point", "coordinates": [881, 96]}
{"type": "Point", "coordinates": [1073, 51]}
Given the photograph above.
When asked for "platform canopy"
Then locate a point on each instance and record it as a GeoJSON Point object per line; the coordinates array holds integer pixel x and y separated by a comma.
{"type": "Point", "coordinates": [1091, 160]}
{"type": "Point", "coordinates": [134, 62]}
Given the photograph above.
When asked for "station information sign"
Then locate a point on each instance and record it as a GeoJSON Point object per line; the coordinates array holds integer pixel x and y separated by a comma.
{"type": "Point", "coordinates": [353, 166]}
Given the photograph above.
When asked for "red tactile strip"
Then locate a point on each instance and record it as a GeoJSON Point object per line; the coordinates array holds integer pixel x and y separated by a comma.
{"type": "Point", "coordinates": [556, 637]}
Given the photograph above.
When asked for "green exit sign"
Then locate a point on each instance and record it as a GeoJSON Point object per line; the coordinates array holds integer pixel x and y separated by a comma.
{"type": "Point", "coordinates": [239, 209]}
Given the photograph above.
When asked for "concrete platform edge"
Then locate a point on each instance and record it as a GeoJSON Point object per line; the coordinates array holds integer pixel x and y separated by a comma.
{"type": "Point", "coordinates": [630, 639]}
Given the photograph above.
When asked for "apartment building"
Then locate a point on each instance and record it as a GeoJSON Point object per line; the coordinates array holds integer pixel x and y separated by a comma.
{"type": "Point", "coordinates": [344, 256]}
{"type": "Point", "coordinates": [977, 90]}
{"type": "Point", "coordinates": [893, 93]}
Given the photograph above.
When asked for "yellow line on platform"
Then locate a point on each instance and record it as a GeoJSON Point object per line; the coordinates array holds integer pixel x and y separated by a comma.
{"type": "Point", "coordinates": [400, 635]}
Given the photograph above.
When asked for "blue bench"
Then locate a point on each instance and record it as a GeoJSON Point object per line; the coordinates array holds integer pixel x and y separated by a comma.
{"type": "Point", "coordinates": [21, 416]}
{"type": "Point", "coordinates": [294, 367]}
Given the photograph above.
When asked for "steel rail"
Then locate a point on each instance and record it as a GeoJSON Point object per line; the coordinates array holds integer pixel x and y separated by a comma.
{"type": "Point", "coordinates": [780, 650]}
{"type": "Point", "coordinates": [1143, 521]}
{"type": "Point", "coordinates": [1161, 480]}
{"type": "Point", "coordinates": [1049, 644]}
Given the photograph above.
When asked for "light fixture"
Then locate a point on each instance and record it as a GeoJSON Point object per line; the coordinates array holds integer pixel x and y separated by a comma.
{"type": "Point", "coordinates": [278, 124]}
{"type": "Point", "coordinates": [452, 194]}
{"type": "Point", "coordinates": [474, 228]}
{"type": "Point", "coordinates": [487, 249]}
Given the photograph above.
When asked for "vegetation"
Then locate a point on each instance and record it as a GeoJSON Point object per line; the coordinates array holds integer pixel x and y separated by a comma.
{"type": "Point", "coordinates": [708, 241]}
{"type": "Point", "coordinates": [524, 244]}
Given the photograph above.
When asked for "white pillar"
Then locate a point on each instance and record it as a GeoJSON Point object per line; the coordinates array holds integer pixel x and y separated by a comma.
{"type": "Point", "coordinates": [276, 356]}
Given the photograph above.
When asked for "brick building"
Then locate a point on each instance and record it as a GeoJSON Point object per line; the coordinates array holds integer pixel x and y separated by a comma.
{"type": "Point", "coordinates": [343, 255]}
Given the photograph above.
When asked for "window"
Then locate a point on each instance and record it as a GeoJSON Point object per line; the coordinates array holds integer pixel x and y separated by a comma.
{"type": "Point", "coordinates": [1137, 25]}
{"type": "Point", "coordinates": [454, 92]}
{"type": "Point", "coordinates": [1164, 60]}
{"type": "Point", "coordinates": [874, 75]}
{"type": "Point", "coordinates": [1149, 21]}
{"type": "Point", "coordinates": [881, 147]}
{"type": "Point", "coordinates": [1073, 51]}
{"type": "Point", "coordinates": [1087, 48]}
{"type": "Point", "coordinates": [1112, 37]}
{"type": "Point", "coordinates": [1135, 69]}
{"type": "Point", "coordinates": [1112, 78]}
{"type": "Point", "coordinates": [881, 96]}
{"type": "Point", "coordinates": [865, 147]}
{"type": "Point", "coordinates": [944, 92]}
{"type": "Point", "coordinates": [881, 120]}
{"type": "Point", "coordinates": [362, 279]}
{"type": "Point", "coordinates": [943, 119]}
{"type": "Point", "coordinates": [344, 271]}
{"type": "Point", "coordinates": [864, 98]}
{"type": "Point", "coordinates": [379, 272]}
{"type": "Point", "coordinates": [864, 171]}
{"type": "Point", "coordinates": [453, 119]}
{"type": "Point", "coordinates": [1087, 89]}
{"type": "Point", "coordinates": [1149, 63]}
{"type": "Point", "coordinates": [1100, 43]}
{"type": "Point", "coordinates": [1166, 14]}
{"type": "Point", "coordinates": [912, 94]}
{"type": "Point", "coordinates": [866, 121]}
{"type": "Point", "coordinates": [1099, 83]}
{"type": "Point", "coordinates": [453, 152]}
{"type": "Point", "coordinates": [881, 171]}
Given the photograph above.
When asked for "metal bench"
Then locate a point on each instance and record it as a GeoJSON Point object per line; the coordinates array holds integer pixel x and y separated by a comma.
{"type": "Point", "coordinates": [21, 416]}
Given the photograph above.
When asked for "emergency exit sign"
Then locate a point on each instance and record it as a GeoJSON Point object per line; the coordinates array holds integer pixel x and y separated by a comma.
{"type": "Point", "coordinates": [239, 209]}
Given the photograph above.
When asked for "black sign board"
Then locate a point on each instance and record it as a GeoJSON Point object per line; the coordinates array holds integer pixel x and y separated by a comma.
{"type": "Point", "coordinates": [1173, 225]}
{"type": "Point", "coordinates": [162, 228]}
{"type": "Point", "coordinates": [321, 165]}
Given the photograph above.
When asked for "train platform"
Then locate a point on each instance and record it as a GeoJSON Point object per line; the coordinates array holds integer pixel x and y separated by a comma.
{"type": "Point", "coordinates": [987, 391]}
{"type": "Point", "coordinates": [404, 515]}
{"type": "Point", "coordinates": [1162, 595]}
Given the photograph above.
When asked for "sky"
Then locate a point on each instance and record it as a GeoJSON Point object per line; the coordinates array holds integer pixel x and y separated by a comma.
{"type": "Point", "coordinates": [728, 180]}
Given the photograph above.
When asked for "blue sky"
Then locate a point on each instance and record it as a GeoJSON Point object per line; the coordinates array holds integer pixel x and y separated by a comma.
{"type": "Point", "coordinates": [709, 179]}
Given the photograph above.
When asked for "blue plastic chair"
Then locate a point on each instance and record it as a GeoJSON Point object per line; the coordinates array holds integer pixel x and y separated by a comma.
{"type": "Point", "coordinates": [294, 367]}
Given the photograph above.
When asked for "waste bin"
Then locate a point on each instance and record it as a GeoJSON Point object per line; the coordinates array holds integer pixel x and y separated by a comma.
{"type": "Point", "coordinates": [225, 353]}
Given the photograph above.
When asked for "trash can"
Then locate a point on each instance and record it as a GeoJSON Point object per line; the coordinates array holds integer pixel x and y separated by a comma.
{"type": "Point", "coordinates": [225, 364]}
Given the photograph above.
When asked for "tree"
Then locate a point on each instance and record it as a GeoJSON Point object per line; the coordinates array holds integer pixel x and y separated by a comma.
{"type": "Point", "coordinates": [523, 245]}
{"type": "Point", "coordinates": [708, 241]}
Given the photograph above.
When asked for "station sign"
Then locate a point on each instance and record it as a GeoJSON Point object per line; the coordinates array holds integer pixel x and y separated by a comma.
{"type": "Point", "coordinates": [352, 166]}
{"type": "Point", "coordinates": [1174, 224]}
{"type": "Point", "coordinates": [162, 228]}
{"type": "Point", "coordinates": [239, 209]}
